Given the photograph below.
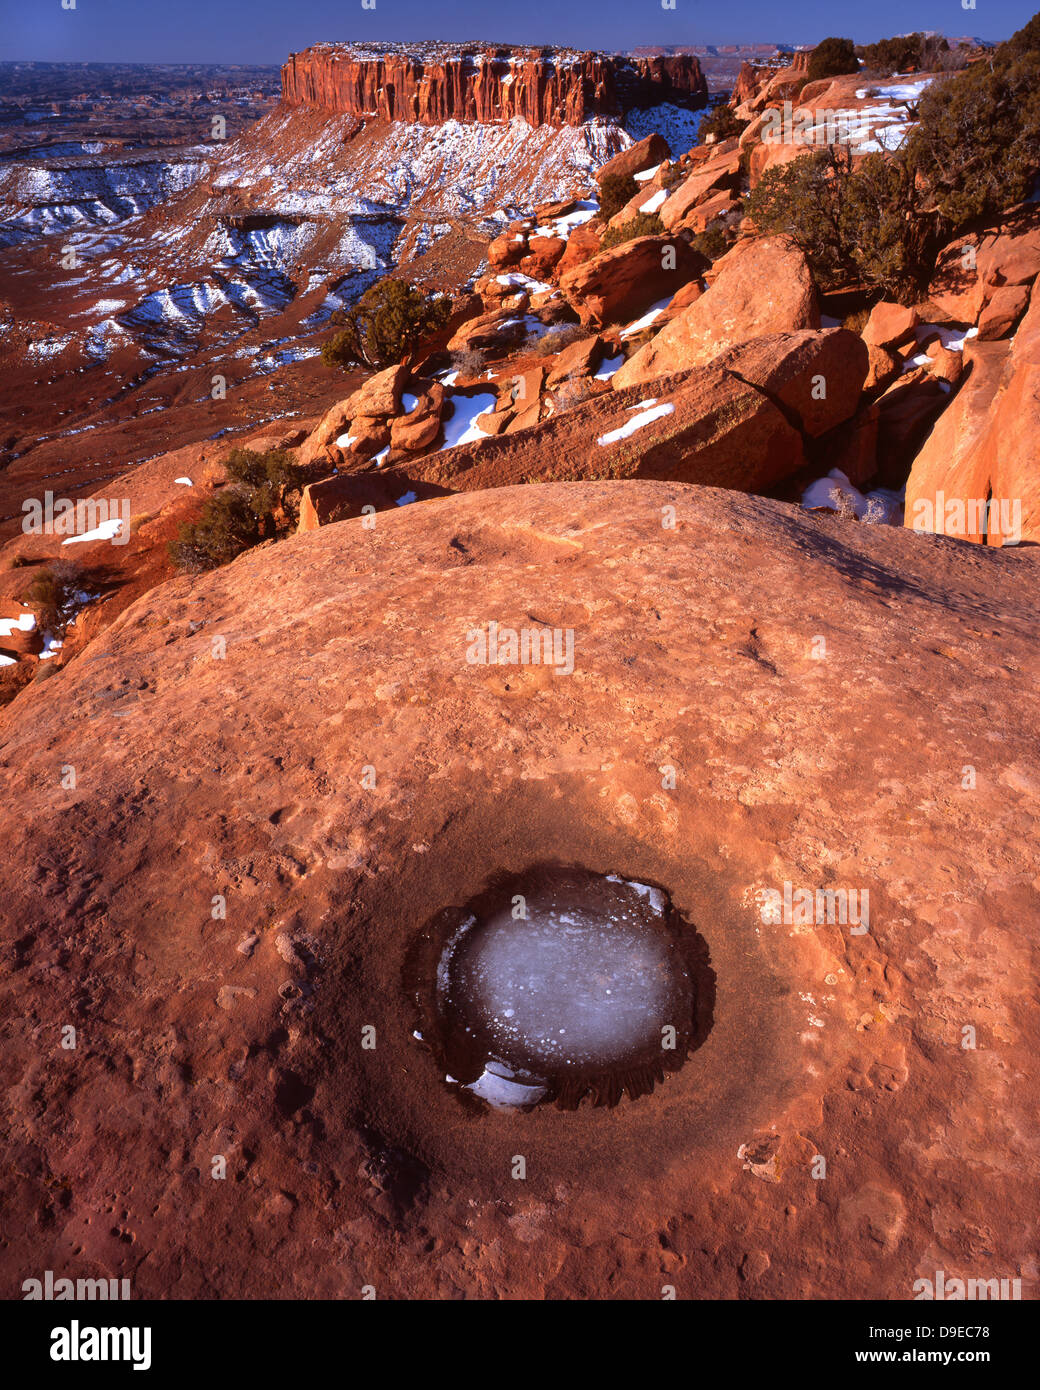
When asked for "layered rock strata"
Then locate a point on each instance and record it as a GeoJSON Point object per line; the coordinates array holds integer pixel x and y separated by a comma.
{"type": "Point", "coordinates": [475, 83]}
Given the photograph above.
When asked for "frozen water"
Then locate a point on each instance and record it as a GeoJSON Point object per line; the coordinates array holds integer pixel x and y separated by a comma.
{"type": "Point", "coordinates": [882, 506]}
{"type": "Point", "coordinates": [951, 338]}
{"type": "Point", "coordinates": [498, 1085]}
{"type": "Point", "coordinates": [105, 532]}
{"type": "Point", "coordinates": [561, 227]}
{"type": "Point", "coordinates": [586, 980]}
{"type": "Point", "coordinates": [654, 896]}
{"type": "Point", "coordinates": [587, 992]}
{"type": "Point", "coordinates": [909, 91]}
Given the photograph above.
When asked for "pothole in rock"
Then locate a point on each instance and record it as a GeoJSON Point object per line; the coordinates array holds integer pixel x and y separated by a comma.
{"type": "Point", "coordinates": [561, 984]}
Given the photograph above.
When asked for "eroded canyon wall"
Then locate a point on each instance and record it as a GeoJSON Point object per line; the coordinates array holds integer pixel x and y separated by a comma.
{"type": "Point", "coordinates": [543, 86]}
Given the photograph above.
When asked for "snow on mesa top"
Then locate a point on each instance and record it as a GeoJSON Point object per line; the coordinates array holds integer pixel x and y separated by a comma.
{"type": "Point", "coordinates": [439, 51]}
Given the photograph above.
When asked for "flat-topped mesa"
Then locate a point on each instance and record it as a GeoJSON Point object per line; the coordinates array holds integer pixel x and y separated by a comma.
{"type": "Point", "coordinates": [430, 83]}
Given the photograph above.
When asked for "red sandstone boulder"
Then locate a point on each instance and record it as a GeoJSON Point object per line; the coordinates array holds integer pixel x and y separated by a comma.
{"type": "Point", "coordinates": [498, 291]}
{"type": "Point", "coordinates": [506, 250]}
{"type": "Point", "coordinates": [1011, 255]}
{"type": "Point", "coordinates": [1008, 450]}
{"type": "Point", "coordinates": [718, 174]}
{"type": "Point", "coordinates": [647, 153]}
{"type": "Point", "coordinates": [789, 81]}
{"type": "Point", "coordinates": [757, 85]}
{"type": "Point", "coordinates": [542, 213]}
{"type": "Point", "coordinates": [680, 300]}
{"type": "Point", "coordinates": [704, 425]}
{"type": "Point", "coordinates": [414, 432]}
{"type": "Point", "coordinates": [648, 200]}
{"type": "Point", "coordinates": [950, 461]}
{"type": "Point", "coordinates": [816, 375]}
{"type": "Point", "coordinates": [582, 245]}
{"type": "Point", "coordinates": [526, 387]}
{"type": "Point", "coordinates": [337, 498]}
{"type": "Point", "coordinates": [332, 424]}
{"type": "Point", "coordinates": [580, 359]}
{"type": "Point", "coordinates": [955, 292]}
{"type": "Point", "coordinates": [984, 447]}
{"type": "Point", "coordinates": [684, 297]}
{"type": "Point", "coordinates": [701, 217]}
{"type": "Point", "coordinates": [494, 421]}
{"type": "Point", "coordinates": [381, 393]}
{"type": "Point", "coordinates": [15, 639]}
{"type": "Point", "coordinates": [907, 409]}
{"type": "Point", "coordinates": [946, 364]}
{"type": "Point", "coordinates": [884, 367]}
{"type": "Point", "coordinates": [768, 156]}
{"type": "Point", "coordinates": [488, 332]}
{"type": "Point", "coordinates": [890, 325]}
{"type": "Point", "coordinates": [543, 255]}
{"type": "Point", "coordinates": [625, 279]}
{"type": "Point", "coordinates": [1006, 306]}
{"type": "Point", "coordinates": [363, 418]}
{"type": "Point", "coordinates": [762, 286]}
{"type": "Point", "coordinates": [970, 270]}
{"type": "Point", "coordinates": [364, 436]}
{"type": "Point", "coordinates": [524, 416]}
{"type": "Point", "coordinates": [565, 395]}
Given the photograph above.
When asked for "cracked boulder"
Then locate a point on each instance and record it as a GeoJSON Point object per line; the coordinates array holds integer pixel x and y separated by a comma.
{"type": "Point", "coordinates": [624, 279]}
{"type": "Point", "coordinates": [762, 286]}
{"type": "Point", "coordinates": [816, 378]}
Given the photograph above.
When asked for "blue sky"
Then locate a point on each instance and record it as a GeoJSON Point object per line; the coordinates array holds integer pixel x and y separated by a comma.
{"type": "Point", "coordinates": [264, 31]}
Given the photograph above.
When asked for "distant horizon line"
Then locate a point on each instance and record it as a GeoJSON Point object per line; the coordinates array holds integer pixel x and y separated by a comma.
{"type": "Point", "coordinates": [778, 46]}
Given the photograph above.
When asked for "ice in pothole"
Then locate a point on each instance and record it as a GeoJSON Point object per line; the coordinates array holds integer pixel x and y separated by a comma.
{"type": "Point", "coordinates": [564, 982]}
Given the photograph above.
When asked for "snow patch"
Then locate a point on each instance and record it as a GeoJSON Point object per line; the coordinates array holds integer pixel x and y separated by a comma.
{"type": "Point", "coordinates": [637, 422]}
{"type": "Point", "coordinates": [25, 622]}
{"type": "Point", "coordinates": [654, 312]}
{"type": "Point", "coordinates": [882, 506]}
{"type": "Point", "coordinates": [462, 427]}
{"type": "Point", "coordinates": [104, 532]}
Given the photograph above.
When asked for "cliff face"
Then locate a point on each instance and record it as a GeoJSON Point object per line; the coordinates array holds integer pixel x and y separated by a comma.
{"type": "Point", "coordinates": [490, 85]}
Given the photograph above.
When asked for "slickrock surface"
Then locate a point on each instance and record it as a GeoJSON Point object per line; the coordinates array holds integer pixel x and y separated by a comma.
{"type": "Point", "coordinates": [474, 82]}
{"type": "Point", "coordinates": [697, 648]}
